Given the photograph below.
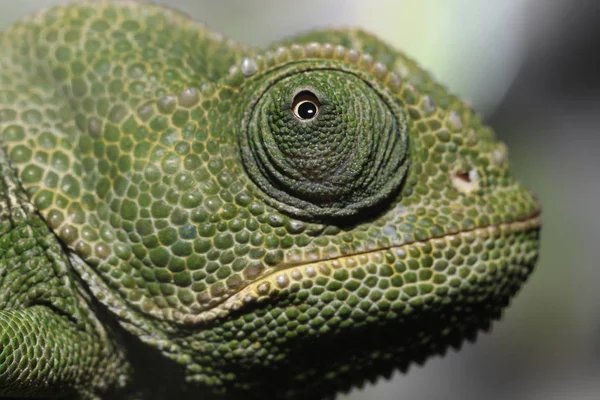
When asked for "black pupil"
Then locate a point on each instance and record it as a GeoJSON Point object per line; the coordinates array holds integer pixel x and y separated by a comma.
{"type": "Point", "coordinates": [307, 110]}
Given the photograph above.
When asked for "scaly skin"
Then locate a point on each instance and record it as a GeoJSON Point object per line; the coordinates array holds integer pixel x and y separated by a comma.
{"type": "Point", "coordinates": [175, 225]}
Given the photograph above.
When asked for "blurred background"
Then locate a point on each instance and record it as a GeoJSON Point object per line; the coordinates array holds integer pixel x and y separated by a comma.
{"type": "Point", "coordinates": [532, 67]}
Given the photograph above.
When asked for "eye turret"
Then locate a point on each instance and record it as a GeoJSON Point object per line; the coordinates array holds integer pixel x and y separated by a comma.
{"type": "Point", "coordinates": [325, 143]}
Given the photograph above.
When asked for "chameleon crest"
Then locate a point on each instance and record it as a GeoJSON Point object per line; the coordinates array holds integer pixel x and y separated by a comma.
{"type": "Point", "coordinates": [182, 216]}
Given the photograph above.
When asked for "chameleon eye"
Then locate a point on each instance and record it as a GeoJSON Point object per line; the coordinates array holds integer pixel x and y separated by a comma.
{"type": "Point", "coordinates": [350, 158]}
{"type": "Point", "coordinates": [306, 106]}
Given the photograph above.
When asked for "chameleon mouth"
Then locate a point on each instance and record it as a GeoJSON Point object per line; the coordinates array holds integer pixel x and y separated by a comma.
{"type": "Point", "coordinates": [520, 250]}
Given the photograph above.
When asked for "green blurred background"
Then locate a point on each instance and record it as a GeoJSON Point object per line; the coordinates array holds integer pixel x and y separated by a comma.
{"type": "Point", "coordinates": [532, 68]}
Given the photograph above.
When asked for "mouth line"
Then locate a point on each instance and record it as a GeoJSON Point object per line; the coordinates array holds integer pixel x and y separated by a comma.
{"type": "Point", "coordinates": [525, 219]}
{"type": "Point", "coordinates": [280, 277]}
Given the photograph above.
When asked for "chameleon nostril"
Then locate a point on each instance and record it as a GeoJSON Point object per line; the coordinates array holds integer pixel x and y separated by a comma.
{"type": "Point", "coordinates": [463, 175]}
{"type": "Point", "coordinates": [465, 181]}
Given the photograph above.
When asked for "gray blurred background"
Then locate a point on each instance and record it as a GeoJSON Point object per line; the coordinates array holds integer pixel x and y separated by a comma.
{"type": "Point", "coordinates": [532, 68]}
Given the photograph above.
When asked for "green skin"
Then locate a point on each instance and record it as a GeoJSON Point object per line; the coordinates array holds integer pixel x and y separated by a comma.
{"type": "Point", "coordinates": [170, 226]}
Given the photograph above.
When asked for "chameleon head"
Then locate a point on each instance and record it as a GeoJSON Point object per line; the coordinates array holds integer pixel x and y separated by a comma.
{"type": "Point", "coordinates": [378, 224]}
{"type": "Point", "coordinates": [311, 219]}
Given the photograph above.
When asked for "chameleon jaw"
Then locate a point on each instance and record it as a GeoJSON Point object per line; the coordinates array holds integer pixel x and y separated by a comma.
{"type": "Point", "coordinates": [290, 277]}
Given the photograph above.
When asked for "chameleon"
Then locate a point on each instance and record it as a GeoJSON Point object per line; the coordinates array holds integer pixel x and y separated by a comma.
{"type": "Point", "coordinates": [185, 216]}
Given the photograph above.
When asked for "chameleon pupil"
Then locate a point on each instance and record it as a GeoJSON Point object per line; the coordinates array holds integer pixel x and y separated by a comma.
{"type": "Point", "coordinates": [307, 110]}
{"type": "Point", "coordinates": [306, 105]}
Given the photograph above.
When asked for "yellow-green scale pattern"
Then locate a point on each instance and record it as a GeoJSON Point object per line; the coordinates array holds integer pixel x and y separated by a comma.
{"type": "Point", "coordinates": [195, 236]}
